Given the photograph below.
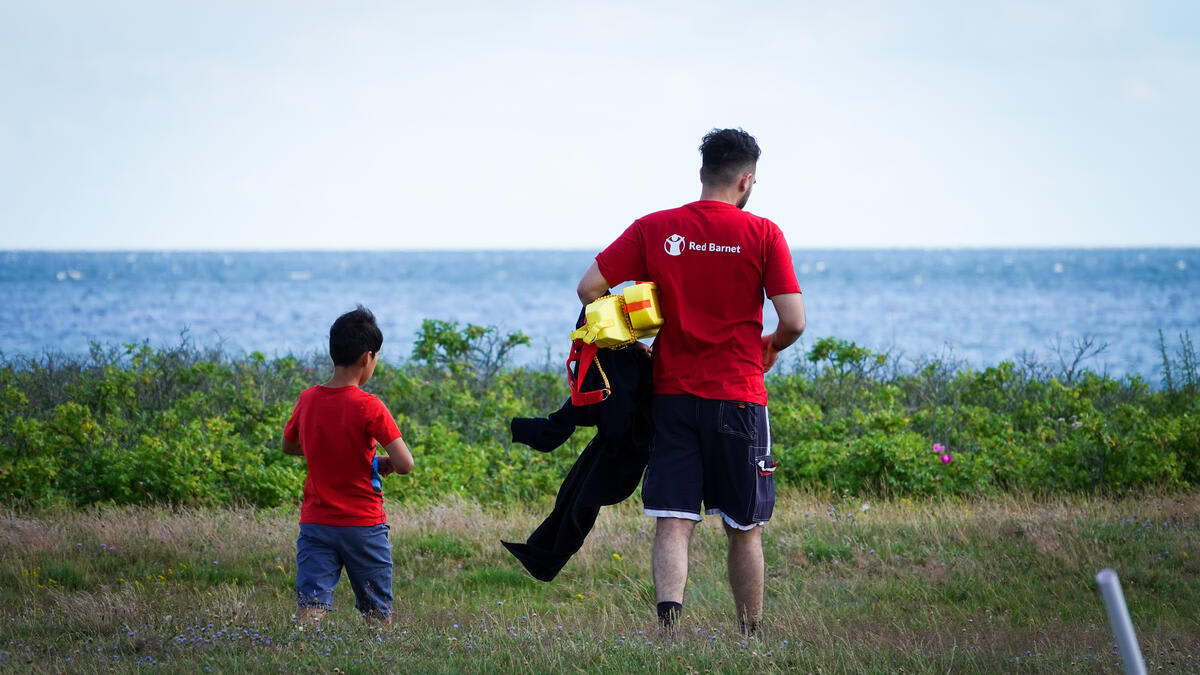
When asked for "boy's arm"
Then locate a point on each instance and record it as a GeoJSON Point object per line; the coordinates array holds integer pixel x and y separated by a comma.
{"type": "Point", "coordinates": [291, 447]}
{"type": "Point", "coordinates": [292, 430]}
{"type": "Point", "coordinates": [400, 460]}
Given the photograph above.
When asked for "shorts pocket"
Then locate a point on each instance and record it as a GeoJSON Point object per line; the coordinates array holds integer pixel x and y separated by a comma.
{"type": "Point", "coordinates": [764, 484]}
{"type": "Point", "coordinates": [738, 419]}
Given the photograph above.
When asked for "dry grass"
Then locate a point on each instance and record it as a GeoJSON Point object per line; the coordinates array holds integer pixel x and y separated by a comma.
{"type": "Point", "coordinates": [990, 585]}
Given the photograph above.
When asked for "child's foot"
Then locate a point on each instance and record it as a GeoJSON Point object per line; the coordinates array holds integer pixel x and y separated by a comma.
{"type": "Point", "coordinates": [310, 615]}
{"type": "Point", "coordinates": [377, 618]}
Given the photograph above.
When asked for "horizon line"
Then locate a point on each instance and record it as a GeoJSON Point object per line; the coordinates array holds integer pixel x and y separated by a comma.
{"type": "Point", "coordinates": [906, 247]}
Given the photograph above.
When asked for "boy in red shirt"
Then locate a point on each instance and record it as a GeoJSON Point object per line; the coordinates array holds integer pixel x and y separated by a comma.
{"type": "Point", "coordinates": [335, 426]}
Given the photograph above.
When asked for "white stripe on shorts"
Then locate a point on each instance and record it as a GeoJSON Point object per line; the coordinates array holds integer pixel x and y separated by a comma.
{"type": "Point", "coordinates": [733, 523]}
{"type": "Point", "coordinates": [663, 513]}
{"type": "Point", "coordinates": [767, 417]}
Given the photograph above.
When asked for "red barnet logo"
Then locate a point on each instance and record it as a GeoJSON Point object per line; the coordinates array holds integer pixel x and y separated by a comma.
{"type": "Point", "coordinates": [676, 245]}
{"type": "Point", "coordinates": [714, 248]}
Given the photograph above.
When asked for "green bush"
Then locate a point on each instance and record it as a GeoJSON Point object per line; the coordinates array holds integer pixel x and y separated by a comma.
{"type": "Point", "coordinates": [136, 425]}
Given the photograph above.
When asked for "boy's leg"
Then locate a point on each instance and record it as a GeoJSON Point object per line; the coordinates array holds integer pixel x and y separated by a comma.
{"type": "Point", "coordinates": [318, 567]}
{"type": "Point", "coordinates": [368, 557]}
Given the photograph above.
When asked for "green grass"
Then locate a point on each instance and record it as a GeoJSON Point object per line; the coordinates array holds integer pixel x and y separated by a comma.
{"type": "Point", "coordinates": [1004, 584]}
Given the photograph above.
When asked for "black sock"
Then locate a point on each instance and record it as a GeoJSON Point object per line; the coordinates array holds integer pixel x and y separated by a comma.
{"type": "Point", "coordinates": [669, 613]}
{"type": "Point", "coordinates": [748, 627]}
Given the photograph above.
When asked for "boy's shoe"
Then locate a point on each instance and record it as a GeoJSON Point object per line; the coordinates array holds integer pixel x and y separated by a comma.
{"type": "Point", "coordinates": [377, 618]}
{"type": "Point", "coordinates": [310, 615]}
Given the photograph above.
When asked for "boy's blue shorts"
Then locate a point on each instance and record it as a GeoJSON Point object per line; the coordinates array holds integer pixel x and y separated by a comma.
{"type": "Point", "coordinates": [322, 551]}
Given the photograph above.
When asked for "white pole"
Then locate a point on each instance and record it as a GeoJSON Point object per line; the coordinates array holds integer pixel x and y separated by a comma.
{"type": "Point", "coordinates": [1118, 616]}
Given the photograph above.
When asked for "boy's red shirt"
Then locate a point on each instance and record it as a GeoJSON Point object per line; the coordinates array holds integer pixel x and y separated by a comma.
{"type": "Point", "coordinates": [337, 429]}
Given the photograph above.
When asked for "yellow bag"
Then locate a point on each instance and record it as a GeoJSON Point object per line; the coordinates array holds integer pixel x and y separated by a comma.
{"type": "Point", "coordinates": [619, 320]}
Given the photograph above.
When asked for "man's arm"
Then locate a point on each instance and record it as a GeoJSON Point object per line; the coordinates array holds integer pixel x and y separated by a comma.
{"type": "Point", "coordinates": [790, 308]}
{"type": "Point", "coordinates": [592, 285]}
{"type": "Point", "coordinates": [290, 448]}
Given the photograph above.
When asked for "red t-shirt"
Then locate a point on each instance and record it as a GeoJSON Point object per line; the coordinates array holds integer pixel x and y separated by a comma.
{"type": "Point", "coordinates": [337, 428]}
{"type": "Point", "coordinates": [712, 262]}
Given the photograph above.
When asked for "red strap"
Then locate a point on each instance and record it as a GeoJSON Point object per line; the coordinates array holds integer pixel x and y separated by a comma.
{"type": "Point", "coordinates": [631, 307]}
{"type": "Point", "coordinates": [582, 354]}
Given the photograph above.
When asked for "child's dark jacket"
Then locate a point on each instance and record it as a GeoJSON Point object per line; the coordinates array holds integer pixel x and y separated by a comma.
{"type": "Point", "coordinates": [607, 471]}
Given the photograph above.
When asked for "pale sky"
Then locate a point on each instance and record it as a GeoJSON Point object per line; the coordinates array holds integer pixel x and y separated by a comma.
{"type": "Point", "coordinates": [468, 125]}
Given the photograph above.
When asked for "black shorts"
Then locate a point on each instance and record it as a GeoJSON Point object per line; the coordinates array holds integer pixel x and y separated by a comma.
{"type": "Point", "coordinates": [715, 452]}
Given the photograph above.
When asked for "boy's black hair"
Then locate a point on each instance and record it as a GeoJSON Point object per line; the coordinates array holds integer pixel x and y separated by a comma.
{"type": "Point", "coordinates": [353, 334]}
{"type": "Point", "coordinates": [727, 154]}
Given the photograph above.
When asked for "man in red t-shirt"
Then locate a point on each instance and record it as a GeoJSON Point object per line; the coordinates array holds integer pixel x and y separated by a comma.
{"type": "Point", "coordinates": [713, 263]}
{"type": "Point", "coordinates": [342, 523]}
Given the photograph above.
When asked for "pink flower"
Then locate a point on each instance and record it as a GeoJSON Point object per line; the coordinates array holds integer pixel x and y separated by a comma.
{"type": "Point", "coordinates": [939, 448]}
{"type": "Point", "coordinates": [946, 458]}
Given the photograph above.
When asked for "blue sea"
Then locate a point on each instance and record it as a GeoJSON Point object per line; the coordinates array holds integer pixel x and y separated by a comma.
{"type": "Point", "coordinates": [977, 307]}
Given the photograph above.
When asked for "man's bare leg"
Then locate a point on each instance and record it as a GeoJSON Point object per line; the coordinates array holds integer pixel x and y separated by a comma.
{"type": "Point", "coordinates": [670, 560]}
{"type": "Point", "coordinates": [746, 571]}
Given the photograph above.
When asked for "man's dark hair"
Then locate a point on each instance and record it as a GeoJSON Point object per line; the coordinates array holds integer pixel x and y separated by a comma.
{"type": "Point", "coordinates": [727, 154]}
{"type": "Point", "coordinates": [352, 334]}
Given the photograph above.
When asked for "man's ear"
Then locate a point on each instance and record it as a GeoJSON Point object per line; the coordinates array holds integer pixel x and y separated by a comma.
{"type": "Point", "coordinates": [746, 181]}
{"type": "Point", "coordinates": [364, 359]}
